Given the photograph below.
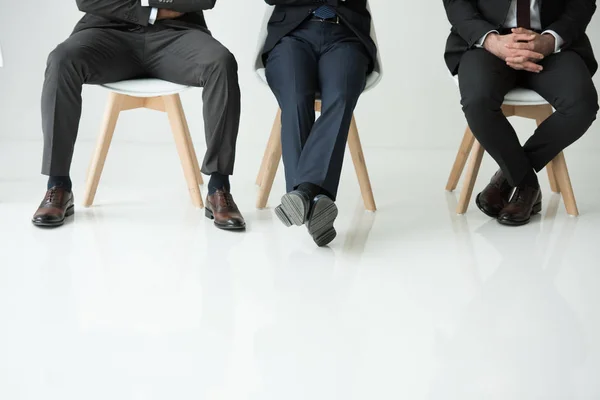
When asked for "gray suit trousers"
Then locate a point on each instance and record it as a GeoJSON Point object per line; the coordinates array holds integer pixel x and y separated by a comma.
{"type": "Point", "coordinates": [103, 55]}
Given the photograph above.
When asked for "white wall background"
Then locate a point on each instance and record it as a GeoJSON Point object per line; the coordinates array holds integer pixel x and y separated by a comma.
{"type": "Point", "coordinates": [416, 106]}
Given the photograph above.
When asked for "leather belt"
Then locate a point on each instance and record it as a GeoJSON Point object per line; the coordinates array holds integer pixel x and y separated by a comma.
{"type": "Point", "coordinates": [334, 20]}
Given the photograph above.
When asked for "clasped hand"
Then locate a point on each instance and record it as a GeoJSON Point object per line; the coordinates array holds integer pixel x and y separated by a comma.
{"type": "Point", "coordinates": [522, 49]}
{"type": "Point", "coordinates": [164, 13]}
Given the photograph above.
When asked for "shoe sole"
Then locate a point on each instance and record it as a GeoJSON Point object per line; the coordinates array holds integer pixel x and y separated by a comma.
{"type": "Point", "coordinates": [210, 215]}
{"type": "Point", "coordinates": [320, 224]}
{"type": "Point", "coordinates": [482, 209]}
{"type": "Point", "coordinates": [537, 208]}
{"type": "Point", "coordinates": [283, 216]}
{"type": "Point", "coordinates": [293, 210]}
{"type": "Point", "coordinates": [70, 211]}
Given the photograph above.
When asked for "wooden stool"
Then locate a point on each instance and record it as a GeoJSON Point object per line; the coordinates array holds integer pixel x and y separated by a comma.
{"type": "Point", "coordinates": [521, 103]}
{"type": "Point", "coordinates": [270, 163]}
{"type": "Point", "coordinates": [157, 95]}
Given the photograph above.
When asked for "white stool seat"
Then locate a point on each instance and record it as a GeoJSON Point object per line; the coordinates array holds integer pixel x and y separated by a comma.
{"type": "Point", "coordinates": [524, 97]}
{"type": "Point", "coordinates": [146, 87]}
{"type": "Point", "coordinates": [520, 97]}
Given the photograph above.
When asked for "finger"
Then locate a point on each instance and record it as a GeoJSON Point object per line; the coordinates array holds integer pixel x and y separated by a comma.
{"type": "Point", "coordinates": [532, 67]}
{"type": "Point", "coordinates": [520, 45]}
{"type": "Point", "coordinates": [523, 37]}
{"type": "Point", "coordinates": [527, 66]}
{"type": "Point", "coordinates": [522, 31]}
{"type": "Point", "coordinates": [516, 60]}
{"type": "Point", "coordinates": [520, 60]}
{"type": "Point", "coordinates": [527, 53]}
{"type": "Point", "coordinates": [516, 66]}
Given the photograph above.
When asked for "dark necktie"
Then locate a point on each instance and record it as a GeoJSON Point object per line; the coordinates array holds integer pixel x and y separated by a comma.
{"type": "Point", "coordinates": [325, 12]}
{"type": "Point", "coordinates": [524, 14]}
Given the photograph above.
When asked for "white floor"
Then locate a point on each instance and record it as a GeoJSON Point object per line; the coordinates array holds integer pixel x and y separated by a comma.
{"type": "Point", "coordinates": [141, 298]}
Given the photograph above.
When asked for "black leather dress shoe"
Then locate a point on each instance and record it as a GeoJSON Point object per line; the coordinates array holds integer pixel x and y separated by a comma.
{"type": "Point", "coordinates": [495, 196]}
{"type": "Point", "coordinates": [525, 202]}
{"type": "Point", "coordinates": [320, 220]}
{"type": "Point", "coordinates": [294, 208]}
{"type": "Point", "coordinates": [56, 206]}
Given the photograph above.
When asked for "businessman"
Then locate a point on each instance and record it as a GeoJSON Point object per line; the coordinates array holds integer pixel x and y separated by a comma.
{"type": "Point", "coordinates": [496, 45]}
{"type": "Point", "coordinates": [316, 49]}
{"type": "Point", "coordinates": [127, 39]}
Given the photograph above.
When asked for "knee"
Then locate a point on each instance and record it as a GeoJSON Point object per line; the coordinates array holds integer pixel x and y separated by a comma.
{"type": "Point", "coordinates": [224, 62]}
{"type": "Point", "coordinates": [294, 101]}
{"type": "Point", "coordinates": [581, 103]}
{"type": "Point", "coordinates": [64, 57]}
{"type": "Point", "coordinates": [292, 97]}
{"type": "Point", "coordinates": [343, 96]}
{"type": "Point", "coordinates": [480, 102]}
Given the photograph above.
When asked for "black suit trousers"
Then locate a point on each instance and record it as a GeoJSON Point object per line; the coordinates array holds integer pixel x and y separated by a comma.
{"type": "Point", "coordinates": [103, 55]}
{"type": "Point", "coordinates": [317, 60]}
{"type": "Point", "coordinates": [565, 82]}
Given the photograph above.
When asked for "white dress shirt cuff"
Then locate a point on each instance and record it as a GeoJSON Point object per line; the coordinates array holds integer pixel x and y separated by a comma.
{"type": "Point", "coordinates": [153, 15]}
{"type": "Point", "coordinates": [481, 41]}
{"type": "Point", "coordinates": [559, 41]}
{"type": "Point", "coordinates": [153, 12]}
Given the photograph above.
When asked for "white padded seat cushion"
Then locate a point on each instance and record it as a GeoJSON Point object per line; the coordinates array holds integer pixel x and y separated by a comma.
{"type": "Point", "coordinates": [520, 97]}
{"type": "Point", "coordinates": [523, 97]}
{"type": "Point", "coordinates": [145, 87]}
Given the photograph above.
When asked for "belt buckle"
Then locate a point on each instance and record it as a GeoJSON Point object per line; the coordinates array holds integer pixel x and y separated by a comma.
{"type": "Point", "coordinates": [335, 20]}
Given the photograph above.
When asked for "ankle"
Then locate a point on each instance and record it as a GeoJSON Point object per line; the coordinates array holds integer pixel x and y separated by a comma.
{"type": "Point", "coordinates": [60, 181]}
{"type": "Point", "coordinates": [310, 189]}
{"type": "Point", "coordinates": [218, 182]}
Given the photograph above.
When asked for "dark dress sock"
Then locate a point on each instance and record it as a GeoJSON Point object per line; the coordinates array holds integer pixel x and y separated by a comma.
{"type": "Point", "coordinates": [60, 181]}
{"type": "Point", "coordinates": [218, 182]}
{"type": "Point", "coordinates": [312, 190]}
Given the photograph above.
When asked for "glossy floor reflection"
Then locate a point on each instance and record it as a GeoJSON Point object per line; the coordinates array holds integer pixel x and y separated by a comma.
{"type": "Point", "coordinates": [141, 298]}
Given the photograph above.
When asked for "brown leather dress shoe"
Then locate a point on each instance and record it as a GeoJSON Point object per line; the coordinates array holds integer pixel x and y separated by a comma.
{"type": "Point", "coordinates": [495, 196]}
{"type": "Point", "coordinates": [221, 207]}
{"type": "Point", "coordinates": [526, 201]}
{"type": "Point", "coordinates": [56, 206]}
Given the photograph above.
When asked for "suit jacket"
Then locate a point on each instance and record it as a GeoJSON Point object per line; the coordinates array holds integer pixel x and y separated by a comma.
{"type": "Point", "coordinates": [125, 14]}
{"type": "Point", "coordinates": [289, 14]}
{"type": "Point", "coordinates": [472, 19]}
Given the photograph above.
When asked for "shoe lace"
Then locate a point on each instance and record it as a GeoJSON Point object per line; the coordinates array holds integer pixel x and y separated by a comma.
{"type": "Point", "coordinates": [521, 196]}
{"type": "Point", "coordinates": [228, 199]}
{"type": "Point", "coordinates": [51, 195]}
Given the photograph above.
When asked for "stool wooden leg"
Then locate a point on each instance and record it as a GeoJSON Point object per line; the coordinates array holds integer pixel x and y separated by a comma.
{"type": "Point", "coordinates": [191, 144]}
{"type": "Point", "coordinates": [552, 177]}
{"type": "Point", "coordinates": [111, 116]}
{"type": "Point", "coordinates": [175, 113]}
{"type": "Point", "coordinates": [361, 167]}
{"type": "Point", "coordinates": [275, 136]}
{"type": "Point", "coordinates": [461, 159]}
{"type": "Point", "coordinates": [564, 182]}
{"type": "Point", "coordinates": [472, 171]}
{"type": "Point", "coordinates": [271, 163]}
